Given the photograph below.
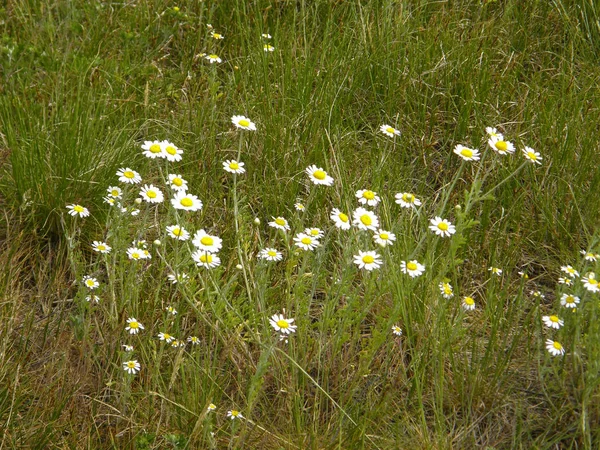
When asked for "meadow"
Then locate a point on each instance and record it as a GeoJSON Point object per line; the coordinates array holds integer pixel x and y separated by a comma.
{"type": "Point", "coordinates": [299, 224]}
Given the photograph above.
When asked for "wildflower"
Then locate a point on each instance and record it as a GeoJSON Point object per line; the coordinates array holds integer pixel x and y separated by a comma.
{"type": "Point", "coordinates": [555, 348]}
{"type": "Point", "coordinates": [211, 407]}
{"type": "Point", "coordinates": [299, 207]}
{"type": "Point", "coordinates": [166, 337]}
{"type": "Point", "coordinates": [468, 303]}
{"type": "Point", "coordinates": [570, 271]}
{"type": "Point", "coordinates": [590, 282]}
{"type": "Point", "coordinates": [90, 282]}
{"type": "Point", "coordinates": [500, 146]}
{"type": "Point", "coordinates": [234, 166]}
{"type": "Point", "coordinates": [316, 233]}
{"type": "Point", "coordinates": [588, 256]}
{"type": "Point", "coordinates": [365, 220]}
{"type": "Point", "coordinates": [216, 36]}
{"type": "Point", "coordinates": [171, 152]}
{"type": "Point", "coordinates": [151, 194]}
{"type": "Point", "coordinates": [340, 219]}
{"type": "Point", "coordinates": [171, 310]}
{"type": "Point", "coordinates": [194, 340]}
{"type": "Point", "coordinates": [175, 278]}
{"type": "Point", "coordinates": [177, 182]}
{"type": "Point", "coordinates": [446, 290]}
{"type": "Point", "coordinates": [206, 259]}
{"type": "Point", "coordinates": [177, 343]}
{"type": "Point", "coordinates": [101, 247]}
{"type": "Point", "coordinates": [279, 223]}
{"type": "Point", "coordinates": [127, 348]}
{"type": "Point", "coordinates": [412, 268]}
{"type": "Point", "coordinates": [110, 200]}
{"type": "Point", "coordinates": [135, 253]}
{"type": "Point", "coordinates": [268, 48]}
{"type": "Point", "coordinates": [243, 122]}
{"type": "Point", "coordinates": [397, 330]}
{"type": "Point", "coordinates": [367, 197]}
{"type": "Point", "coordinates": [319, 176]}
{"type": "Point", "coordinates": [493, 133]}
{"type": "Point", "coordinates": [553, 322]}
{"type": "Point", "coordinates": [284, 326]}
{"type": "Point", "coordinates": [442, 227]}
{"type": "Point", "coordinates": [187, 202]}
{"type": "Point", "coordinates": [92, 298]}
{"type": "Point", "coordinates": [177, 232]}
{"type": "Point", "coordinates": [368, 260]}
{"type": "Point", "coordinates": [466, 153]}
{"type": "Point", "coordinates": [389, 131]}
{"type": "Point", "coordinates": [133, 326]}
{"type": "Point", "coordinates": [384, 238]}
{"type": "Point", "coordinates": [569, 301]}
{"type": "Point", "coordinates": [129, 176]}
{"type": "Point", "coordinates": [532, 155]}
{"type": "Point", "coordinates": [523, 274]}
{"type": "Point", "coordinates": [537, 294]}
{"type": "Point", "coordinates": [152, 149]}
{"type": "Point", "coordinates": [131, 367]}
{"type": "Point", "coordinates": [207, 242]}
{"type": "Point", "coordinates": [266, 36]}
{"type": "Point", "coordinates": [270, 254]}
{"type": "Point", "coordinates": [114, 192]}
{"type": "Point", "coordinates": [407, 200]}
{"type": "Point", "coordinates": [212, 58]}
{"type": "Point", "coordinates": [234, 414]}
{"type": "Point", "coordinates": [566, 281]}
{"type": "Point", "coordinates": [495, 271]}
{"type": "Point", "coordinates": [305, 241]}
{"type": "Point", "coordinates": [78, 210]}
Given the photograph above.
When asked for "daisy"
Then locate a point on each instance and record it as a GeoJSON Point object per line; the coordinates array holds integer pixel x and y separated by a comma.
{"type": "Point", "coordinates": [532, 155]}
{"type": "Point", "coordinates": [233, 166]}
{"type": "Point", "coordinates": [407, 200]}
{"type": "Point", "coordinates": [92, 298]}
{"type": "Point", "coordinates": [129, 176]}
{"type": "Point", "coordinates": [368, 260]}
{"type": "Point", "coordinates": [500, 146]}
{"type": "Point", "coordinates": [268, 48]}
{"type": "Point", "coordinates": [279, 223]}
{"type": "Point", "coordinates": [152, 149]}
{"type": "Point", "coordinates": [466, 153]}
{"type": "Point", "coordinates": [553, 322]}
{"type": "Point", "coordinates": [299, 207]}
{"type": "Point", "coordinates": [569, 301]}
{"type": "Point", "coordinates": [495, 271]}
{"type": "Point", "coordinates": [101, 247]}
{"type": "Point", "coordinates": [177, 343]}
{"type": "Point", "coordinates": [136, 253]}
{"type": "Point", "coordinates": [270, 254]}
{"type": "Point", "coordinates": [177, 183]}
{"type": "Point", "coordinates": [243, 122]}
{"type": "Point", "coordinates": [590, 282]}
{"type": "Point", "coordinates": [212, 58]}
{"type": "Point", "coordinates": [389, 131]}
{"type": "Point", "coordinates": [588, 256]}
{"type": "Point", "coordinates": [90, 282]}
{"type": "Point", "coordinates": [78, 210]}
{"type": "Point", "coordinates": [234, 414]}
{"type": "Point", "coordinates": [206, 259]}
{"type": "Point", "coordinates": [171, 152]}
{"type": "Point", "coordinates": [284, 326]}
{"type": "Point", "coordinates": [442, 227]}
{"type": "Point", "coordinates": [131, 367]}
{"type": "Point", "coordinates": [493, 133]}
{"type": "Point", "coordinates": [555, 348]}
{"type": "Point", "coordinates": [412, 268]}
{"type": "Point", "coordinates": [204, 241]}
{"type": "Point", "coordinates": [397, 330]}
{"type": "Point", "coordinates": [177, 232]}
{"type": "Point", "coordinates": [468, 303]}
{"type": "Point", "coordinates": [569, 270]}
{"type": "Point", "coordinates": [133, 326]}
{"type": "Point", "coordinates": [175, 278]}
{"type": "Point", "coordinates": [151, 194]}
{"type": "Point", "coordinates": [316, 233]}
{"type": "Point", "coordinates": [365, 220]}
{"type": "Point", "coordinates": [446, 290]}
{"type": "Point", "coordinates": [266, 36]}
{"type": "Point", "coordinates": [537, 294]}
{"type": "Point", "coordinates": [566, 281]}
{"type": "Point", "coordinates": [216, 36]}
{"type": "Point", "coordinates": [340, 219]}
{"type": "Point", "coordinates": [194, 340]}
{"type": "Point", "coordinates": [319, 176]}
{"type": "Point", "coordinates": [384, 238]}
{"type": "Point", "coordinates": [305, 241]}
{"type": "Point", "coordinates": [187, 202]}
{"type": "Point", "coordinates": [111, 201]}
{"type": "Point", "coordinates": [367, 197]}
{"type": "Point", "coordinates": [166, 337]}
{"type": "Point", "coordinates": [171, 310]}
{"type": "Point", "coordinates": [114, 192]}
{"type": "Point", "coordinates": [211, 407]}
{"type": "Point", "coordinates": [127, 348]}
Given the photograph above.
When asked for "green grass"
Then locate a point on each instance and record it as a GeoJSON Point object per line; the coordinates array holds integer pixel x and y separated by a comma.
{"type": "Point", "coordinates": [84, 83]}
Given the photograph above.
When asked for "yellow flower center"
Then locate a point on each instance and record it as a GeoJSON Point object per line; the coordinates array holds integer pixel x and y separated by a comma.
{"type": "Point", "coordinates": [134, 325]}
{"type": "Point", "coordinates": [411, 266]}
{"type": "Point", "coordinates": [466, 152]}
{"type": "Point", "coordinates": [343, 217]}
{"type": "Point", "coordinates": [206, 258]}
{"type": "Point", "coordinates": [366, 219]}
{"type": "Point", "coordinates": [272, 253]}
{"type": "Point", "coordinates": [101, 247]}
{"type": "Point", "coordinates": [155, 148]}
{"type": "Point", "coordinates": [129, 174]}
{"type": "Point", "coordinates": [166, 336]}
{"type": "Point", "coordinates": [216, 35]}
{"type": "Point", "coordinates": [235, 413]}
{"type": "Point", "coordinates": [187, 202]}
{"type": "Point", "coordinates": [409, 198]}
{"type": "Point", "coordinates": [554, 319]}
{"type": "Point", "coordinates": [213, 56]}
{"type": "Point", "coordinates": [532, 156]}
{"type": "Point", "coordinates": [234, 166]}
{"type": "Point", "coordinates": [243, 122]}
{"type": "Point", "coordinates": [78, 208]}
{"type": "Point", "coordinates": [280, 221]}
{"type": "Point", "coordinates": [447, 289]}
{"type": "Point", "coordinates": [283, 324]}
{"type": "Point", "coordinates": [501, 145]}
{"type": "Point", "coordinates": [314, 232]}
{"type": "Point", "coordinates": [570, 270]}
{"type": "Point", "coordinates": [384, 236]}
{"type": "Point", "coordinates": [89, 282]}
{"type": "Point", "coordinates": [177, 181]}
{"type": "Point", "coordinates": [306, 240]}
{"type": "Point", "coordinates": [207, 240]}
{"type": "Point", "coordinates": [135, 255]}
{"type": "Point", "coordinates": [114, 193]}
{"type": "Point", "coordinates": [151, 194]}
{"type": "Point", "coordinates": [319, 174]}
{"type": "Point", "coordinates": [390, 130]}
{"type": "Point", "coordinates": [171, 150]}
{"type": "Point", "coordinates": [570, 299]}
{"type": "Point", "coordinates": [443, 226]}
{"type": "Point", "coordinates": [592, 281]}
{"type": "Point", "coordinates": [469, 301]}
{"type": "Point", "coordinates": [369, 195]}
{"type": "Point", "coordinates": [368, 259]}
{"type": "Point", "coordinates": [177, 231]}
{"type": "Point", "coordinates": [130, 365]}
{"type": "Point", "coordinates": [557, 345]}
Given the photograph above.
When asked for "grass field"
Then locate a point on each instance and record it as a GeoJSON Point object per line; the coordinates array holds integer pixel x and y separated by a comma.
{"type": "Point", "coordinates": [385, 350]}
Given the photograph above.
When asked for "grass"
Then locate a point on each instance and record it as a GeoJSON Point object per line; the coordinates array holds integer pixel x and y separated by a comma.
{"type": "Point", "coordinates": [85, 83]}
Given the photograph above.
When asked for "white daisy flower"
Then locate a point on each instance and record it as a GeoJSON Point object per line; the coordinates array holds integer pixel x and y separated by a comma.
{"type": "Point", "coordinates": [340, 219]}
{"type": "Point", "coordinates": [466, 153]}
{"type": "Point", "coordinates": [554, 347]}
{"type": "Point", "coordinates": [234, 166]}
{"type": "Point", "coordinates": [90, 282]}
{"type": "Point", "coordinates": [570, 271]}
{"type": "Point", "coordinates": [305, 241]}
{"type": "Point", "coordinates": [279, 223]}
{"type": "Point", "coordinates": [111, 201]}
{"type": "Point", "coordinates": [212, 58]}
{"type": "Point", "coordinates": [177, 182]}
{"type": "Point", "coordinates": [268, 48]}
{"type": "Point", "coordinates": [114, 192]}
{"type": "Point", "coordinates": [389, 130]}
{"type": "Point", "coordinates": [152, 149]}
{"type": "Point", "coordinates": [318, 176]}
{"type": "Point", "coordinates": [194, 340]}
{"type": "Point", "coordinates": [446, 290]}
{"type": "Point", "coordinates": [243, 122]}
{"type": "Point", "coordinates": [368, 260]}
{"type": "Point", "coordinates": [131, 367]}
{"type": "Point", "coordinates": [442, 227]}
{"type": "Point", "coordinates": [171, 152]}
{"type": "Point", "coordinates": [384, 238]}
{"type": "Point", "coordinates": [590, 282]}
{"type": "Point", "coordinates": [412, 268]}
{"type": "Point", "coordinates": [397, 330]}
{"type": "Point", "coordinates": [532, 155]}
{"type": "Point", "coordinates": [137, 253]}
{"type": "Point", "coordinates": [367, 197]}
{"type": "Point", "coordinates": [127, 348]}
{"type": "Point", "coordinates": [78, 210]}
{"type": "Point", "coordinates": [315, 233]}
{"type": "Point", "coordinates": [217, 36]}
{"type": "Point", "coordinates": [178, 232]}
{"type": "Point", "coordinates": [129, 176]}
{"type": "Point", "coordinates": [166, 337]}
{"type": "Point", "coordinates": [266, 36]}
{"type": "Point", "coordinates": [407, 200]}
{"type": "Point", "coordinates": [495, 271]}
{"type": "Point", "coordinates": [133, 326]}
{"type": "Point", "coordinates": [468, 303]}
{"type": "Point", "coordinates": [299, 207]}
{"type": "Point", "coordinates": [270, 254]}
{"type": "Point", "coordinates": [206, 259]}
{"type": "Point", "coordinates": [493, 133]}
{"type": "Point", "coordinates": [282, 325]}
{"type": "Point", "coordinates": [569, 301]}
{"type": "Point", "coordinates": [566, 281]}
{"type": "Point", "coordinates": [553, 322]}
{"type": "Point", "coordinates": [234, 414]}
{"type": "Point", "coordinates": [151, 194]}
{"type": "Point", "coordinates": [92, 298]}
{"type": "Point", "coordinates": [207, 242]}
{"type": "Point", "coordinates": [185, 201]}
{"type": "Point", "coordinates": [589, 256]}
{"type": "Point", "coordinates": [365, 220]}
{"type": "Point", "coordinates": [101, 247]}
{"type": "Point", "coordinates": [175, 278]}
{"type": "Point", "coordinates": [500, 146]}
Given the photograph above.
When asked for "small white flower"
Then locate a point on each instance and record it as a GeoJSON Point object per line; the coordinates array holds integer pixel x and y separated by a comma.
{"type": "Point", "coordinates": [136, 253]}
{"type": "Point", "coordinates": [299, 207]}
{"type": "Point", "coordinates": [266, 36]}
{"type": "Point", "coordinates": [178, 233]}
{"type": "Point", "coordinates": [500, 146]}
{"type": "Point", "coordinates": [268, 48]}
{"type": "Point", "coordinates": [466, 153]}
{"type": "Point", "coordinates": [101, 247]}
{"type": "Point", "coordinates": [493, 133]}
{"type": "Point", "coordinates": [570, 271]}
{"type": "Point", "coordinates": [114, 192]}
{"type": "Point", "coordinates": [397, 330]}
{"type": "Point", "coordinates": [92, 298]}
{"type": "Point", "coordinates": [282, 325]}
{"type": "Point", "coordinates": [407, 200]}
{"type": "Point", "coordinates": [553, 322]}
{"type": "Point", "coordinates": [279, 223]}
{"type": "Point", "coordinates": [166, 337]}
{"type": "Point", "coordinates": [365, 220]}
{"type": "Point", "coordinates": [446, 290]}
{"type": "Point", "coordinates": [340, 219]}
{"type": "Point", "coordinates": [185, 201]}
{"type": "Point", "coordinates": [127, 348]}
{"type": "Point", "coordinates": [206, 259]}
{"type": "Point", "coordinates": [171, 310]}
{"type": "Point", "coordinates": [133, 326]}
{"type": "Point", "coordinates": [495, 271]}
{"type": "Point", "coordinates": [217, 36]}
{"type": "Point", "coordinates": [319, 176]}
{"type": "Point", "coordinates": [412, 268]}
{"type": "Point", "coordinates": [389, 130]}
{"type": "Point", "coordinates": [194, 340]}
{"type": "Point", "coordinates": [306, 241]}
{"type": "Point", "coordinates": [589, 256]}
{"type": "Point", "coordinates": [152, 149]}
{"type": "Point", "coordinates": [234, 414]}
{"type": "Point", "coordinates": [129, 176]}
{"type": "Point", "coordinates": [151, 194]}
{"type": "Point", "coordinates": [590, 282]}
{"type": "Point", "coordinates": [569, 301]}
{"type": "Point", "coordinates": [368, 260]}
{"type": "Point", "coordinates": [177, 182]}
{"type": "Point", "coordinates": [468, 303]}
{"type": "Point", "coordinates": [234, 166]}
{"type": "Point", "coordinates": [367, 197]}
{"type": "Point", "coordinates": [384, 238]}
{"type": "Point", "coordinates": [243, 122]}
{"type": "Point", "coordinates": [175, 278]}
{"type": "Point", "coordinates": [315, 233]}
{"type": "Point", "coordinates": [270, 254]}
{"type": "Point", "coordinates": [442, 227]}
{"type": "Point", "coordinates": [212, 58]}
{"type": "Point", "coordinates": [171, 152]}
{"type": "Point", "coordinates": [207, 242]}
{"type": "Point", "coordinates": [566, 281]}
{"type": "Point", "coordinates": [131, 367]}
{"type": "Point", "coordinates": [78, 210]}
{"type": "Point", "coordinates": [555, 348]}
{"type": "Point", "coordinates": [532, 155]}
{"type": "Point", "coordinates": [90, 282]}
